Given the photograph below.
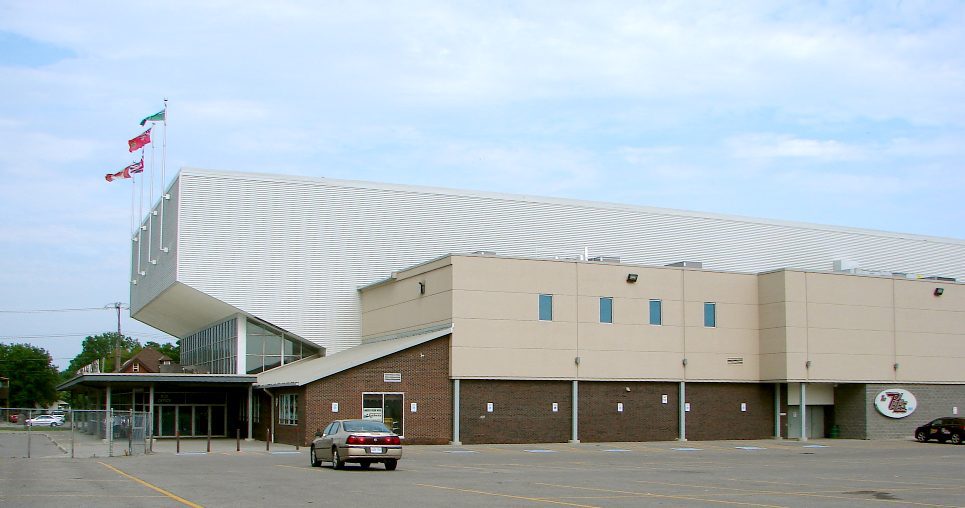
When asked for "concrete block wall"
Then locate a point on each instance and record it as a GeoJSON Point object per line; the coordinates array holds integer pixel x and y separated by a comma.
{"type": "Point", "coordinates": [850, 410]}
{"type": "Point", "coordinates": [715, 411]}
{"type": "Point", "coordinates": [933, 401]}
{"type": "Point", "coordinates": [644, 417]}
{"type": "Point", "coordinates": [522, 411]}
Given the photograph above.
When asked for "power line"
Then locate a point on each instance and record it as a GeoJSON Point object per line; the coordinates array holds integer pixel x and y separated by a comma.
{"type": "Point", "coordinates": [149, 335]}
{"type": "Point", "coordinates": [39, 311]}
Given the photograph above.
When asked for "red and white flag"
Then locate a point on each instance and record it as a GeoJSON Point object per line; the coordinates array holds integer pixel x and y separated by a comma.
{"type": "Point", "coordinates": [139, 141]}
{"type": "Point", "coordinates": [124, 173]}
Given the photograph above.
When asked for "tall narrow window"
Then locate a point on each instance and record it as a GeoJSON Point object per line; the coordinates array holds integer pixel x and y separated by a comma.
{"type": "Point", "coordinates": [545, 307]}
{"type": "Point", "coordinates": [606, 309]}
{"type": "Point", "coordinates": [288, 409]}
{"type": "Point", "coordinates": [656, 312]}
{"type": "Point", "coordinates": [710, 314]}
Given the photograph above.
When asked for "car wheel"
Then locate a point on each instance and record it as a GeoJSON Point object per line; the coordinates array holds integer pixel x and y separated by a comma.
{"type": "Point", "coordinates": [921, 436]}
{"type": "Point", "coordinates": [313, 459]}
{"type": "Point", "coordinates": [955, 439]}
{"type": "Point", "coordinates": [390, 465]}
{"type": "Point", "coordinates": [337, 462]}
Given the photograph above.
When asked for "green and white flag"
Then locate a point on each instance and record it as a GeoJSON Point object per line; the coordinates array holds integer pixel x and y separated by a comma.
{"type": "Point", "coordinates": [156, 117]}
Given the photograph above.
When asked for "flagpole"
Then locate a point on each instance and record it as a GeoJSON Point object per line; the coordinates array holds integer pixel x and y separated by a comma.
{"type": "Point", "coordinates": [164, 157]}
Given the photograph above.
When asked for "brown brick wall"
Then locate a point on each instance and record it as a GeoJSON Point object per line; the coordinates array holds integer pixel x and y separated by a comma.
{"type": "Point", "coordinates": [522, 411]}
{"type": "Point", "coordinates": [425, 381]}
{"type": "Point", "coordinates": [715, 411]}
{"type": "Point", "coordinates": [644, 418]}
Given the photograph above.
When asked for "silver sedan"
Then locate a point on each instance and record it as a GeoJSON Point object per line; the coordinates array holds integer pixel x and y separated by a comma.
{"type": "Point", "coordinates": [359, 441]}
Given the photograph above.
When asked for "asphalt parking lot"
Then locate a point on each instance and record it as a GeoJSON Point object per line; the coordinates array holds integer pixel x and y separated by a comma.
{"type": "Point", "coordinates": [737, 473]}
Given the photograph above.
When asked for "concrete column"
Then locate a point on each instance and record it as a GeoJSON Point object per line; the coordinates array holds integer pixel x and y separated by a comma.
{"type": "Point", "coordinates": [804, 420]}
{"type": "Point", "coordinates": [241, 347]}
{"type": "Point", "coordinates": [150, 433]}
{"type": "Point", "coordinates": [777, 410]}
{"type": "Point", "coordinates": [455, 413]}
{"type": "Point", "coordinates": [575, 435]}
{"type": "Point", "coordinates": [251, 414]}
{"type": "Point", "coordinates": [682, 403]}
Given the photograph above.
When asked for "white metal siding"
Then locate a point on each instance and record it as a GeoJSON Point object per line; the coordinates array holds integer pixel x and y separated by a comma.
{"type": "Point", "coordinates": [157, 277]}
{"type": "Point", "coordinates": [292, 251]}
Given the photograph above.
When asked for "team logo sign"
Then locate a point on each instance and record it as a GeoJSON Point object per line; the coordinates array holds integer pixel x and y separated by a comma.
{"type": "Point", "coordinates": [895, 403]}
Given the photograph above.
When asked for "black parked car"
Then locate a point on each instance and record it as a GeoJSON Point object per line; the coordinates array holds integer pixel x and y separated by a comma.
{"type": "Point", "coordinates": [951, 429]}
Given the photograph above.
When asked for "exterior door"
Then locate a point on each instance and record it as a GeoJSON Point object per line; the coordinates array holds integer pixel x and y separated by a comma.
{"type": "Point", "coordinates": [385, 407]}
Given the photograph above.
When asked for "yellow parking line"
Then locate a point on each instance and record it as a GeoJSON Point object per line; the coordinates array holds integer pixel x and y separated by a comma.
{"type": "Point", "coordinates": [152, 487]}
{"type": "Point", "coordinates": [496, 494]}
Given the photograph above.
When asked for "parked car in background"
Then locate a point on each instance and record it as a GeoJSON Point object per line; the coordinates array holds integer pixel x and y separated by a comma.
{"type": "Point", "coordinates": [13, 418]}
{"type": "Point", "coordinates": [951, 429]}
{"type": "Point", "coordinates": [359, 441]}
{"type": "Point", "coordinates": [44, 421]}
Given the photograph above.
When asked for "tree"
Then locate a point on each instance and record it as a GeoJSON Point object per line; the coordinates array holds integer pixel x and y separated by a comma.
{"type": "Point", "coordinates": [101, 347]}
{"type": "Point", "coordinates": [33, 377]}
{"type": "Point", "coordinates": [172, 351]}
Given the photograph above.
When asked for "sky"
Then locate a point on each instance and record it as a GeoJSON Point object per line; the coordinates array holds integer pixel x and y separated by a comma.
{"type": "Point", "coordinates": [841, 113]}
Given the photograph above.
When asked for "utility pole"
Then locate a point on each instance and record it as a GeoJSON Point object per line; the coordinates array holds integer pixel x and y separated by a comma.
{"type": "Point", "coordinates": [117, 350]}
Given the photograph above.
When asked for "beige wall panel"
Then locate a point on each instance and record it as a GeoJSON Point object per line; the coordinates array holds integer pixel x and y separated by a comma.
{"type": "Point", "coordinates": [405, 290]}
{"type": "Point", "coordinates": [428, 310]}
{"type": "Point", "coordinates": [729, 315]}
{"type": "Point", "coordinates": [773, 366]}
{"type": "Point", "coordinates": [772, 315]}
{"type": "Point", "coordinates": [474, 362]}
{"type": "Point", "coordinates": [711, 366]}
{"type": "Point", "coordinates": [796, 313]}
{"type": "Point", "coordinates": [630, 365]}
{"type": "Point", "coordinates": [630, 338]}
{"type": "Point", "coordinates": [796, 339]}
{"type": "Point", "coordinates": [511, 306]}
{"type": "Point", "coordinates": [795, 365]}
{"type": "Point", "coordinates": [850, 342]}
{"type": "Point", "coordinates": [920, 294]}
{"type": "Point", "coordinates": [490, 333]}
{"type": "Point", "coordinates": [720, 287]}
{"type": "Point", "coordinates": [795, 286]}
{"type": "Point", "coordinates": [835, 367]}
{"type": "Point", "coordinates": [814, 394]}
{"type": "Point", "coordinates": [611, 280]}
{"type": "Point", "coordinates": [843, 289]}
{"type": "Point", "coordinates": [928, 344]}
{"type": "Point", "coordinates": [773, 340]}
{"type": "Point", "coordinates": [930, 321]}
{"type": "Point", "coordinates": [770, 287]}
{"type": "Point", "coordinates": [931, 369]}
{"type": "Point", "coordinates": [722, 340]}
{"type": "Point", "coordinates": [514, 275]}
{"type": "Point", "coordinates": [850, 317]}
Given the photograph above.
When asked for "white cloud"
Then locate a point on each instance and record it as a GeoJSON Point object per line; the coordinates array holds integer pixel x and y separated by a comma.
{"type": "Point", "coordinates": [773, 146]}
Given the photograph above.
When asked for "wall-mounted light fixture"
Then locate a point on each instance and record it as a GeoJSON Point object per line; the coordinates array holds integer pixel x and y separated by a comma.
{"type": "Point", "coordinates": [684, 362]}
{"type": "Point", "coordinates": [422, 288]}
{"type": "Point", "coordinates": [631, 278]}
{"type": "Point", "coordinates": [576, 360]}
{"type": "Point", "coordinates": [896, 366]}
{"type": "Point", "coordinates": [939, 291]}
{"type": "Point", "coordinates": [807, 364]}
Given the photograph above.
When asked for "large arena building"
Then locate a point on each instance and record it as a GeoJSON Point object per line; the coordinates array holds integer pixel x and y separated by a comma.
{"type": "Point", "coordinates": [460, 316]}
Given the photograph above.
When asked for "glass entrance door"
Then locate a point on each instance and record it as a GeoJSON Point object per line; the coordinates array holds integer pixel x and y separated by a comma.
{"type": "Point", "coordinates": [385, 407]}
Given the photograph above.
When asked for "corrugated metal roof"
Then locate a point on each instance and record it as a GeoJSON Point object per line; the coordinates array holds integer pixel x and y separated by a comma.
{"type": "Point", "coordinates": [305, 371]}
{"type": "Point", "coordinates": [105, 378]}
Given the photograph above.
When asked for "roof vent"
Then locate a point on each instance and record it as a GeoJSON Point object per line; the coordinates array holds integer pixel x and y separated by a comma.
{"type": "Point", "coordinates": [484, 253]}
{"type": "Point", "coordinates": [687, 264]}
{"type": "Point", "coordinates": [605, 259]}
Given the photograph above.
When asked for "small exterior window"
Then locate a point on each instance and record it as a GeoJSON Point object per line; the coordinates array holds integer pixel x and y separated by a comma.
{"type": "Point", "coordinates": [710, 314]}
{"type": "Point", "coordinates": [606, 309]}
{"type": "Point", "coordinates": [656, 312]}
{"type": "Point", "coordinates": [545, 307]}
{"type": "Point", "coordinates": [288, 409]}
{"type": "Point", "coordinates": [137, 367]}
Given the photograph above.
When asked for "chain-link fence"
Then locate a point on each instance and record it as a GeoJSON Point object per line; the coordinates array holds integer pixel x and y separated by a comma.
{"type": "Point", "coordinates": [29, 433]}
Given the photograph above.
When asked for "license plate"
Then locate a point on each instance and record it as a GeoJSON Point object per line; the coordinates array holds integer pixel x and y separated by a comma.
{"type": "Point", "coordinates": [376, 449]}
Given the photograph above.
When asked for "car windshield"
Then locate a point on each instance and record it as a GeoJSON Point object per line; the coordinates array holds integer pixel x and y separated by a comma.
{"type": "Point", "coordinates": [365, 426]}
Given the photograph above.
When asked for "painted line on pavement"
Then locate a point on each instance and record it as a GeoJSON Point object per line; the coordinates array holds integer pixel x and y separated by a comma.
{"type": "Point", "coordinates": [152, 487]}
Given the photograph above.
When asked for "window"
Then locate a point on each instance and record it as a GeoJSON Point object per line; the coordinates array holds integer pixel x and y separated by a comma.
{"type": "Point", "coordinates": [545, 307]}
{"type": "Point", "coordinates": [288, 409]}
{"type": "Point", "coordinates": [710, 314]}
{"type": "Point", "coordinates": [606, 309]}
{"type": "Point", "coordinates": [656, 312]}
{"type": "Point", "coordinates": [137, 367]}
